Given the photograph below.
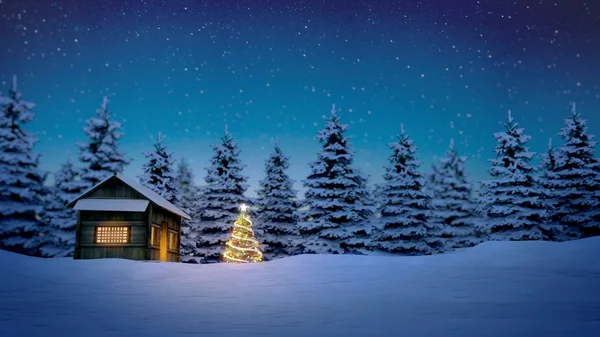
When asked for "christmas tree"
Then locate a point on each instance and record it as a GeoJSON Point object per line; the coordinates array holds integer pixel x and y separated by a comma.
{"type": "Point", "coordinates": [217, 205]}
{"type": "Point", "coordinates": [100, 153]}
{"type": "Point", "coordinates": [512, 200]}
{"type": "Point", "coordinates": [158, 171]}
{"type": "Point", "coordinates": [404, 205]}
{"type": "Point", "coordinates": [336, 198]}
{"type": "Point", "coordinates": [21, 182]}
{"type": "Point", "coordinates": [242, 247]}
{"type": "Point", "coordinates": [277, 208]}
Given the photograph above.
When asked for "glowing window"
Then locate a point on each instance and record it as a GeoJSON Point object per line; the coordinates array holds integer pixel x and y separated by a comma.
{"type": "Point", "coordinates": [112, 234]}
{"type": "Point", "coordinates": [172, 240]}
{"type": "Point", "coordinates": [155, 237]}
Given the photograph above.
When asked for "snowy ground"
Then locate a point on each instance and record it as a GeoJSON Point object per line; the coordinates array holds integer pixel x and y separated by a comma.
{"type": "Point", "coordinates": [496, 289]}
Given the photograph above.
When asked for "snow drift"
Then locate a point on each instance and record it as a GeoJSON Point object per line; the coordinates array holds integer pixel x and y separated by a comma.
{"type": "Point", "coordinates": [495, 289]}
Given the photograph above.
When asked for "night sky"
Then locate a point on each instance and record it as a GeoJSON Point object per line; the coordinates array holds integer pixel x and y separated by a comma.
{"type": "Point", "coordinates": [268, 69]}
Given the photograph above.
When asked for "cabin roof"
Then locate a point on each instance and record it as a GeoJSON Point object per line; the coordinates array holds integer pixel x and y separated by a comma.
{"type": "Point", "coordinates": [122, 205]}
{"type": "Point", "coordinates": [146, 192]}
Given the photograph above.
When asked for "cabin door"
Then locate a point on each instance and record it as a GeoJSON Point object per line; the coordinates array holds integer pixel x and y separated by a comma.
{"type": "Point", "coordinates": [164, 231]}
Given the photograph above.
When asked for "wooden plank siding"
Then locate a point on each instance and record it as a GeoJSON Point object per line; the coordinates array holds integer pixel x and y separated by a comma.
{"type": "Point", "coordinates": [77, 252]}
{"type": "Point", "coordinates": [121, 252]}
{"type": "Point", "coordinates": [158, 216]}
{"type": "Point", "coordinates": [115, 189]}
{"type": "Point", "coordinates": [139, 231]}
{"type": "Point", "coordinates": [135, 249]}
{"type": "Point", "coordinates": [149, 249]}
{"type": "Point", "coordinates": [171, 256]}
{"type": "Point", "coordinates": [113, 216]}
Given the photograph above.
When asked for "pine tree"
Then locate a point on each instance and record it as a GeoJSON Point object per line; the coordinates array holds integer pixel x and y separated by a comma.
{"type": "Point", "coordinates": [100, 154]}
{"type": "Point", "coordinates": [551, 228]}
{"type": "Point", "coordinates": [21, 182]}
{"type": "Point", "coordinates": [512, 200]}
{"type": "Point", "coordinates": [187, 197]}
{"type": "Point", "coordinates": [60, 221]}
{"type": "Point", "coordinates": [404, 204]}
{"type": "Point", "coordinates": [453, 206]}
{"type": "Point", "coordinates": [242, 246]}
{"type": "Point", "coordinates": [158, 171]}
{"type": "Point", "coordinates": [216, 208]}
{"type": "Point", "coordinates": [277, 209]}
{"type": "Point", "coordinates": [336, 219]}
{"type": "Point", "coordinates": [575, 180]}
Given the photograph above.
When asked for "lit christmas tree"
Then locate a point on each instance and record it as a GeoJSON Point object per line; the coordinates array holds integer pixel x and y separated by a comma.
{"type": "Point", "coordinates": [242, 247]}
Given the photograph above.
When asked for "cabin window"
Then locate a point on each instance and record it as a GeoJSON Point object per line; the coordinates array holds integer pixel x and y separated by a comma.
{"type": "Point", "coordinates": [172, 240]}
{"type": "Point", "coordinates": [112, 234]}
{"type": "Point", "coordinates": [155, 237]}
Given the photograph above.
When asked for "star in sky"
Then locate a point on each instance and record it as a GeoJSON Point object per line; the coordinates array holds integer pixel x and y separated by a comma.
{"type": "Point", "coordinates": [273, 70]}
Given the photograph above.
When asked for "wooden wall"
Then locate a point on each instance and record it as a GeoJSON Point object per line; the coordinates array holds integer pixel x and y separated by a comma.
{"type": "Point", "coordinates": [115, 189]}
{"type": "Point", "coordinates": [135, 249]}
{"type": "Point", "coordinates": [160, 215]}
{"type": "Point", "coordinates": [171, 256]}
{"type": "Point", "coordinates": [120, 252]}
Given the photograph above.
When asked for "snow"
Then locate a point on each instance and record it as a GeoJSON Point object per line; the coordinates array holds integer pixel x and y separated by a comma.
{"type": "Point", "coordinates": [114, 205]}
{"type": "Point", "coordinates": [495, 289]}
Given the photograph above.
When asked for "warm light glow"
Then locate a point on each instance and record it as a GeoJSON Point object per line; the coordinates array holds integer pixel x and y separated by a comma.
{"type": "Point", "coordinates": [229, 258]}
{"type": "Point", "coordinates": [112, 234]}
{"type": "Point", "coordinates": [242, 247]}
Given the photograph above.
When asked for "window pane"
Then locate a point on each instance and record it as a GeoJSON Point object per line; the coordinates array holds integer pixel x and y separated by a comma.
{"type": "Point", "coordinates": [172, 240]}
{"type": "Point", "coordinates": [155, 236]}
{"type": "Point", "coordinates": [112, 234]}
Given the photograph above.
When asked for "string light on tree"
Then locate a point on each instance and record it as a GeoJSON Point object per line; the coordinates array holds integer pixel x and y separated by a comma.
{"type": "Point", "coordinates": [242, 246]}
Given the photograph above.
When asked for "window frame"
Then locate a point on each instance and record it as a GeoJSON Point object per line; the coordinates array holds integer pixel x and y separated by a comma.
{"type": "Point", "coordinates": [158, 231]}
{"type": "Point", "coordinates": [175, 242]}
{"type": "Point", "coordinates": [97, 227]}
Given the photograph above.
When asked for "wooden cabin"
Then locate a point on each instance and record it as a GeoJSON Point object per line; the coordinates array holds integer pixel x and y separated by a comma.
{"type": "Point", "coordinates": [120, 218]}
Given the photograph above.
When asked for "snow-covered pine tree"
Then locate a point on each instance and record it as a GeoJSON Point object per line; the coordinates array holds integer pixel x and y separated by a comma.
{"type": "Point", "coordinates": [276, 209]}
{"type": "Point", "coordinates": [219, 201]}
{"type": "Point", "coordinates": [158, 171]}
{"type": "Point", "coordinates": [404, 205]}
{"type": "Point", "coordinates": [551, 227]}
{"type": "Point", "coordinates": [433, 181]}
{"type": "Point", "coordinates": [512, 202]}
{"type": "Point", "coordinates": [575, 180]}
{"type": "Point", "coordinates": [59, 221]}
{"type": "Point", "coordinates": [21, 182]}
{"type": "Point", "coordinates": [100, 154]}
{"type": "Point", "coordinates": [337, 215]}
{"type": "Point", "coordinates": [453, 205]}
{"type": "Point", "coordinates": [187, 195]}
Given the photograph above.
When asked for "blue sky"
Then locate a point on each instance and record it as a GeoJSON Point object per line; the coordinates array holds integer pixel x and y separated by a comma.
{"type": "Point", "coordinates": [272, 69]}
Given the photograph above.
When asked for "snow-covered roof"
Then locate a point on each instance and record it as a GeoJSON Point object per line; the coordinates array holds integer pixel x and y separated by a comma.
{"type": "Point", "coordinates": [124, 205]}
{"type": "Point", "coordinates": [146, 192]}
